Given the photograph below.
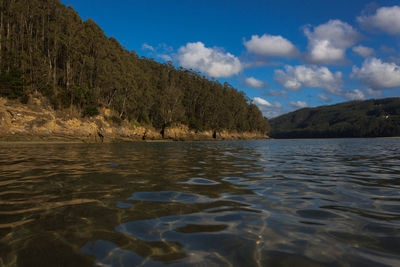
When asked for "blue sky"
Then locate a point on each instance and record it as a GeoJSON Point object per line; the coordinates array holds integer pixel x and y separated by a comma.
{"type": "Point", "coordinates": [284, 54]}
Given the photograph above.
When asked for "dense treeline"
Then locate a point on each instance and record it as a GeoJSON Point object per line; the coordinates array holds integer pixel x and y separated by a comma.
{"type": "Point", "coordinates": [370, 118]}
{"type": "Point", "coordinates": [46, 48]}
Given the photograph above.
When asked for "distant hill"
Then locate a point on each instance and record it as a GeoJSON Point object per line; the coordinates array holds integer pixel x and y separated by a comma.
{"type": "Point", "coordinates": [370, 118]}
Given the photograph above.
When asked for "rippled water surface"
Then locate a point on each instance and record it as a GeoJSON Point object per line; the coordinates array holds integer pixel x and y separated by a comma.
{"type": "Point", "coordinates": [242, 203]}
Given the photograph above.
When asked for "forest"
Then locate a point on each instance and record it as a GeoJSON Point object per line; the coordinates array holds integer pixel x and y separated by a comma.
{"type": "Point", "coordinates": [46, 49]}
{"type": "Point", "coordinates": [370, 118]}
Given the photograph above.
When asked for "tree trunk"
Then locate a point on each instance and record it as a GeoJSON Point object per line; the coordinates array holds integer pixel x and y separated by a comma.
{"type": "Point", "coordinates": [50, 65]}
{"type": "Point", "coordinates": [31, 55]}
{"type": "Point", "coordinates": [54, 73]}
{"type": "Point", "coordinates": [67, 73]}
{"type": "Point", "coordinates": [43, 40]}
{"type": "Point", "coordinates": [1, 35]}
{"type": "Point", "coordinates": [21, 41]}
{"type": "Point", "coordinates": [68, 85]}
{"type": "Point", "coordinates": [55, 61]}
{"type": "Point", "coordinates": [49, 75]}
{"type": "Point", "coordinates": [8, 43]}
{"type": "Point", "coordinates": [123, 106]}
{"type": "Point", "coordinates": [162, 132]}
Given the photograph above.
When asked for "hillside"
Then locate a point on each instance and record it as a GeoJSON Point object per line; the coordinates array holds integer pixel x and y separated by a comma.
{"type": "Point", "coordinates": [38, 121]}
{"type": "Point", "coordinates": [47, 50]}
{"type": "Point", "coordinates": [370, 118]}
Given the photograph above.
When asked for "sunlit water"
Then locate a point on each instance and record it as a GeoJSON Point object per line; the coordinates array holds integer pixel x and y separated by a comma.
{"type": "Point", "coordinates": [243, 203]}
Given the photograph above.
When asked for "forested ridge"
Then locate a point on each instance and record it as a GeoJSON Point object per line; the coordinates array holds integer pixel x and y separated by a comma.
{"type": "Point", "coordinates": [46, 48]}
{"type": "Point", "coordinates": [370, 118]}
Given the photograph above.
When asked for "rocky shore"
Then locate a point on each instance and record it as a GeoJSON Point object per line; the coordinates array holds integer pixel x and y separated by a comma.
{"type": "Point", "coordinates": [37, 121]}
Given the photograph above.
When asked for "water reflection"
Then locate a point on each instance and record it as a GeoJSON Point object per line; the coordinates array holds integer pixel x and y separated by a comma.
{"type": "Point", "coordinates": [250, 203]}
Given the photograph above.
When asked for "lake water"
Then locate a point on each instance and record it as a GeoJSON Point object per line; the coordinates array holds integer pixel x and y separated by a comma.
{"type": "Point", "coordinates": [239, 203]}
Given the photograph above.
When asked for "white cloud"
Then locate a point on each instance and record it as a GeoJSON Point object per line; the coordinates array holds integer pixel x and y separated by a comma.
{"type": "Point", "coordinates": [296, 78]}
{"type": "Point", "coordinates": [147, 47]}
{"type": "Point", "coordinates": [297, 104]}
{"type": "Point", "coordinates": [378, 74]}
{"type": "Point", "coordinates": [271, 45]}
{"type": "Point", "coordinates": [262, 102]}
{"type": "Point", "coordinates": [325, 98]}
{"type": "Point", "coordinates": [373, 93]}
{"type": "Point", "coordinates": [165, 57]}
{"type": "Point", "coordinates": [269, 110]}
{"type": "Point", "coordinates": [354, 95]}
{"type": "Point", "coordinates": [327, 43]}
{"type": "Point", "coordinates": [255, 83]}
{"type": "Point", "coordinates": [363, 51]}
{"type": "Point", "coordinates": [386, 19]}
{"type": "Point", "coordinates": [161, 51]}
{"type": "Point", "coordinates": [211, 61]}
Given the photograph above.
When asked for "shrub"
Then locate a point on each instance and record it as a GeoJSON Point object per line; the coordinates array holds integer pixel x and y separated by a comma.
{"type": "Point", "coordinates": [91, 111]}
{"type": "Point", "coordinates": [136, 123]}
{"type": "Point", "coordinates": [11, 84]}
{"type": "Point", "coordinates": [115, 119]}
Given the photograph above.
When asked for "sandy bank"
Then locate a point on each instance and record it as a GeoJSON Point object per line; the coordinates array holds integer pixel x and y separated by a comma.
{"type": "Point", "coordinates": [38, 122]}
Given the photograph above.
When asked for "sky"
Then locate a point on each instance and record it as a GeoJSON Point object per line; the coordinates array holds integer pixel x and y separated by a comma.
{"type": "Point", "coordinates": [284, 55]}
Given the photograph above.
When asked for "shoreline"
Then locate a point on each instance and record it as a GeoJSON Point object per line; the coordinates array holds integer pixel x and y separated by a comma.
{"type": "Point", "coordinates": [37, 122]}
{"type": "Point", "coordinates": [110, 141]}
{"type": "Point", "coordinates": [331, 138]}
{"type": "Point", "coordinates": [74, 141]}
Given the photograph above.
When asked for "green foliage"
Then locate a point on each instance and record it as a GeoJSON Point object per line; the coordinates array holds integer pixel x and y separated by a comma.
{"type": "Point", "coordinates": [11, 83]}
{"type": "Point", "coordinates": [371, 118]}
{"type": "Point", "coordinates": [90, 111]}
{"type": "Point", "coordinates": [136, 123]}
{"type": "Point", "coordinates": [73, 63]}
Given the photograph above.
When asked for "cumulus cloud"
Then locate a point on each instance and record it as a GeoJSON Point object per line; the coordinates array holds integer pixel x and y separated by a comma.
{"type": "Point", "coordinates": [262, 102]}
{"type": "Point", "coordinates": [354, 95]}
{"type": "Point", "coordinates": [363, 51]}
{"type": "Point", "coordinates": [271, 45]}
{"type": "Point", "coordinates": [373, 93]}
{"type": "Point", "coordinates": [327, 43]}
{"type": "Point", "coordinates": [269, 110]}
{"type": "Point", "coordinates": [325, 98]}
{"type": "Point", "coordinates": [255, 83]}
{"type": "Point", "coordinates": [211, 61]}
{"type": "Point", "coordinates": [386, 19]}
{"type": "Point", "coordinates": [296, 78]}
{"type": "Point", "coordinates": [297, 104]}
{"type": "Point", "coordinates": [377, 74]}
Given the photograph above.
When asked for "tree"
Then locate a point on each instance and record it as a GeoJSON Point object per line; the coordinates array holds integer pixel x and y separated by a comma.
{"type": "Point", "coordinates": [46, 48]}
